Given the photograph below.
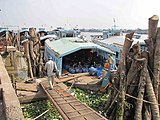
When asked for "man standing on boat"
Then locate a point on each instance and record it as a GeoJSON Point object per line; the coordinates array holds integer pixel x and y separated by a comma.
{"type": "Point", "coordinates": [52, 70]}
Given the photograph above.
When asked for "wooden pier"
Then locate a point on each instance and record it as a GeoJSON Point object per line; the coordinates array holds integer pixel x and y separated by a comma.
{"type": "Point", "coordinates": [68, 106]}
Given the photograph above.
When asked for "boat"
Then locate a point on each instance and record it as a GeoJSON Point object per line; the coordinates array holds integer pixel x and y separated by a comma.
{"type": "Point", "coordinates": [68, 52]}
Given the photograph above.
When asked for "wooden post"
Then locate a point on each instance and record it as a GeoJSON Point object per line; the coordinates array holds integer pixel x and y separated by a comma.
{"type": "Point", "coordinates": [12, 58]}
{"type": "Point", "coordinates": [152, 27]}
{"type": "Point", "coordinates": [41, 64]}
{"type": "Point", "coordinates": [34, 53]}
{"type": "Point", "coordinates": [156, 67]}
{"type": "Point", "coordinates": [28, 58]}
{"type": "Point", "coordinates": [152, 31]}
{"type": "Point", "coordinates": [147, 112]}
{"type": "Point", "coordinates": [141, 90]}
{"type": "Point", "coordinates": [18, 40]}
{"type": "Point", "coordinates": [122, 71]}
{"type": "Point", "coordinates": [121, 99]}
{"type": "Point", "coordinates": [13, 81]}
{"type": "Point", "coordinates": [128, 42]}
{"type": "Point", "coordinates": [152, 98]}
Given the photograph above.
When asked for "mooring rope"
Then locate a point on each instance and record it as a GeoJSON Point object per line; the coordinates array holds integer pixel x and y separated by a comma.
{"type": "Point", "coordinates": [137, 98]}
{"type": "Point", "coordinates": [40, 115]}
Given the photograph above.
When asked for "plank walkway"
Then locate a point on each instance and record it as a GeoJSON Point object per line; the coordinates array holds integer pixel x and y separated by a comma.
{"type": "Point", "coordinates": [68, 106]}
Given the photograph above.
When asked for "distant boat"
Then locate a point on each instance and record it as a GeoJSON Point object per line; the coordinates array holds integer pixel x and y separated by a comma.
{"type": "Point", "coordinates": [137, 36]}
{"type": "Point", "coordinates": [58, 34]}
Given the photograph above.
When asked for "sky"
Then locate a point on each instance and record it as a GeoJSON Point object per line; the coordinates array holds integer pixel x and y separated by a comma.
{"type": "Point", "coordinates": [128, 14]}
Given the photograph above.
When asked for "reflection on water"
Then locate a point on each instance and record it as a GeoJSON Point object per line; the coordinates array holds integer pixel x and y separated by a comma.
{"type": "Point", "coordinates": [22, 68]}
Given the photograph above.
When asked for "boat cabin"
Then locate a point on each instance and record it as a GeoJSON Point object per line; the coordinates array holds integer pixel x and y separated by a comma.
{"type": "Point", "coordinates": [72, 53]}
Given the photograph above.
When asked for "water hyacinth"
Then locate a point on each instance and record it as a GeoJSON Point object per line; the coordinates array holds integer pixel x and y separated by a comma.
{"type": "Point", "coordinates": [95, 100]}
{"type": "Point", "coordinates": [32, 110]}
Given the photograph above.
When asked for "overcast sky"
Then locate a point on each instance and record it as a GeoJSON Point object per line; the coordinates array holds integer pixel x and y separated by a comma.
{"type": "Point", "coordinates": [84, 13]}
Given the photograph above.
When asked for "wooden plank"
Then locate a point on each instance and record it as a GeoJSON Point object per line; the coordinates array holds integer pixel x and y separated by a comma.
{"type": "Point", "coordinates": [80, 115]}
{"type": "Point", "coordinates": [64, 97]}
{"type": "Point", "coordinates": [13, 72]}
{"type": "Point", "coordinates": [67, 102]}
{"type": "Point", "coordinates": [65, 94]}
{"type": "Point", "coordinates": [26, 87]}
{"type": "Point", "coordinates": [78, 106]}
{"type": "Point", "coordinates": [85, 111]}
{"type": "Point", "coordinates": [9, 68]}
{"type": "Point", "coordinates": [79, 103]}
{"type": "Point", "coordinates": [75, 110]}
{"type": "Point", "coordinates": [11, 49]}
{"type": "Point", "coordinates": [93, 116]}
{"type": "Point", "coordinates": [55, 104]}
{"type": "Point", "coordinates": [71, 78]}
{"type": "Point", "coordinates": [73, 114]}
{"type": "Point", "coordinates": [78, 118]}
{"type": "Point", "coordinates": [59, 99]}
{"type": "Point", "coordinates": [70, 107]}
{"type": "Point", "coordinates": [32, 98]}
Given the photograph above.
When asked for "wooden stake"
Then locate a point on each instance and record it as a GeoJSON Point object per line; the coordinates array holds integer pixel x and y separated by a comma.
{"type": "Point", "coordinates": [28, 58]}
{"type": "Point", "coordinates": [152, 98]}
{"type": "Point", "coordinates": [156, 67]}
{"type": "Point", "coordinates": [141, 90]}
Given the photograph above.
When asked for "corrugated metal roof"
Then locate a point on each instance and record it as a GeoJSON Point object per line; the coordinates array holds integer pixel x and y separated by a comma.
{"type": "Point", "coordinates": [120, 39]}
{"type": "Point", "coordinates": [48, 36]}
{"type": "Point", "coordinates": [65, 46]}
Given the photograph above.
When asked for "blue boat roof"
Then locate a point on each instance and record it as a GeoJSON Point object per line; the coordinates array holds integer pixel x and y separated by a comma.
{"type": "Point", "coordinates": [65, 46]}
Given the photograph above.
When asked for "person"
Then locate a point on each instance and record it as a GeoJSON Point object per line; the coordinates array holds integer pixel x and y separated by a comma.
{"type": "Point", "coordinates": [79, 65]}
{"type": "Point", "coordinates": [92, 70]}
{"type": "Point", "coordinates": [107, 64]}
{"type": "Point", "coordinates": [52, 70]}
{"type": "Point", "coordinates": [111, 61]}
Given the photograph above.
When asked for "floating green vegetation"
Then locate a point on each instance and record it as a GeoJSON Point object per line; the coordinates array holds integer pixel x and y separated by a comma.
{"type": "Point", "coordinates": [95, 100]}
{"type": "Point", "coordinates": [33, 110]}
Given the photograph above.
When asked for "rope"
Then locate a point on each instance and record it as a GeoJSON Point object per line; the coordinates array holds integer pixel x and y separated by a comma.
{"type": "Point", "coordinates": [74, 81]}
{"type": "Point", "coordinates": [137, 98]}
{"type": "Point", "coordinates": [40, 115]}
{"type": "Point", "coordinates": [142, 100]}
{"type": "Point", "coordinates": [72, 84]}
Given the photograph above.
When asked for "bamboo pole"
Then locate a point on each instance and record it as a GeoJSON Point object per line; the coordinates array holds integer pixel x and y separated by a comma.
{"type": "Point", "coordinates": [18, 40]}
{"type": "Point", "coordinates": [150, 42]}
{"type": "Point", "coordinates": [152, 27]}
{"type": "Point", "coordinates": [26, 44]}
{"type": "Point", "coordinates": [12, 58]}
{"type": "Point", "coordinates": [128, 42]}
{"type": "Point", "coordinates": [152, 98]}
{"type": "Point", "coordinates": [122, 71]}
{"type": "Point", "coordinates": [120, 103]}
{"type": "Point", "coordinates": [156, 67]}
{"type": "Point", "coordinates": [141, 90]}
